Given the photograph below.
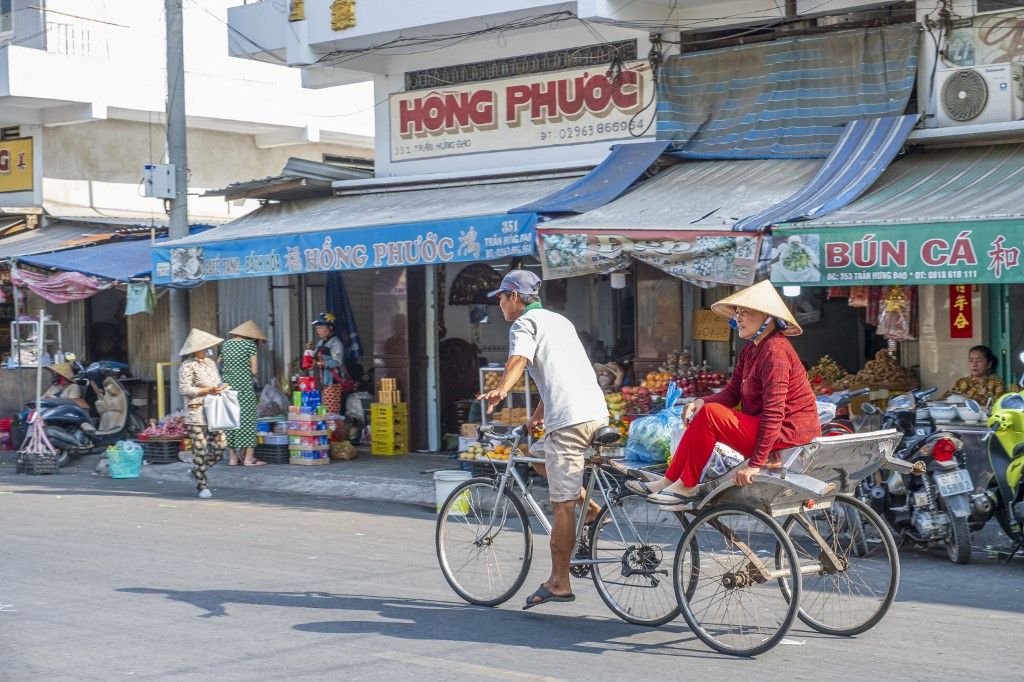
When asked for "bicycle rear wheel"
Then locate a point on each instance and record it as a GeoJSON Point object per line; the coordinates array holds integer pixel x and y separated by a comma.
{"type": "Point", "coordinates": [637, 541]}
{"type": "Point", "coordinates": [484, 542]}
{"type": "Point", "coordinates": [851, 597]}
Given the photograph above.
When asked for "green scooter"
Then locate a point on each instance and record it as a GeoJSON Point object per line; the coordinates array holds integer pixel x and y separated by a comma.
{"type": "Point", "coordinates": [1006, 455]}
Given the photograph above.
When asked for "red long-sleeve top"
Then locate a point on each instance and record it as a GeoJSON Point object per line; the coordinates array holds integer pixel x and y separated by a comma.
{"type": "Point", "coordinates": [769, 382]}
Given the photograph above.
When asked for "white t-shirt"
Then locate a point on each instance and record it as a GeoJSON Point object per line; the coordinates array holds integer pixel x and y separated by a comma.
{"type": "Point", "coordinates": [560, 368]}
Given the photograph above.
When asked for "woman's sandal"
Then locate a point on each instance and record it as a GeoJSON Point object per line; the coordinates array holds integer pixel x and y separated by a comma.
{"type": "Point", "coordinates": [640, 487]}
{"type": "Point", "coordinates": [254, 463]}
{"type": "Point", "coordinates": [671, 498]}
{"type": "Point", "coordinates": [546, 595]}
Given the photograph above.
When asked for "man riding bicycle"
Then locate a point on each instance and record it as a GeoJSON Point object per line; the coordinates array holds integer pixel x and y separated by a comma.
{"type": "Point", "coordinates": [571, 406]}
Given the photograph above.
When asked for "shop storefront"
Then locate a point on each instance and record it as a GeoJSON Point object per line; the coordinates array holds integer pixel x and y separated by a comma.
{"type": "Point", "coordinates": [389, 245]}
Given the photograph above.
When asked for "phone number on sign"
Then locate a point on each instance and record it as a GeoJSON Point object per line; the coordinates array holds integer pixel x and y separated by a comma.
{"type": "Point", "coordinates": [592, 130]}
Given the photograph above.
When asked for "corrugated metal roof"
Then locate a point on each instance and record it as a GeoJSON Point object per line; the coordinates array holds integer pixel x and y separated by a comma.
{"type": "Point", "coordinates": [300, 179]}
{"type": "Point", "coordinates": [697, 195]}
{"type": "Point", "coordinates": [389, 206]}
{"type": "Point", "coordinates": [45, 239]}
{"type": "Point", "coordinates": [940, 186]}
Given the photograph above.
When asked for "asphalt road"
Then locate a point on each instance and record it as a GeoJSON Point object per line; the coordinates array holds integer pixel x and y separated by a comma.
{"type": "Point", "coordinates": [106, 579]}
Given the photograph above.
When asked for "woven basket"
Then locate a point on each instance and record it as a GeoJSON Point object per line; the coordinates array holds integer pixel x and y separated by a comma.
{"type": "Point", "coordinates": [35, 463]}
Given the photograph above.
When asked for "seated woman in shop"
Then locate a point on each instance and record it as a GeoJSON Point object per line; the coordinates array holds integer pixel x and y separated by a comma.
{"type": "Point", "coordinates": [981, 384]}
{"type": "Point", "coordinates": [769, 384]}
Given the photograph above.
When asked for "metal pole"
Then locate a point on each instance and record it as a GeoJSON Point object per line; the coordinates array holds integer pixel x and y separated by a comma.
{"type": "Point", "coordinates": [40, 347]}
{"type": "Point", "coordinates": [177, 155]}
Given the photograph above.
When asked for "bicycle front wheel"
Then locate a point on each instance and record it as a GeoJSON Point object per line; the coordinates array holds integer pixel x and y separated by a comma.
{"type": "Point", "coordinates": [484, 542]}
{"type": "Point", "coordinates": [633, 543]}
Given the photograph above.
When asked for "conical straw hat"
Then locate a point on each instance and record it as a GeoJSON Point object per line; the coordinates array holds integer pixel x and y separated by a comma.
{"type": "Point", "coordinates": [250, 330]}
{"type": "Point", "coordinates": [763, 298]}
{"type": "Point", "coordinates": [199, 340]}
{"type": "Point", "coordinates": [64, 369]}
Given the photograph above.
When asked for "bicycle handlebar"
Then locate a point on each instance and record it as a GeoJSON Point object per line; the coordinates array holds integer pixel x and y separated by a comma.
{"type": "Point", "coordinates": [488, 433]}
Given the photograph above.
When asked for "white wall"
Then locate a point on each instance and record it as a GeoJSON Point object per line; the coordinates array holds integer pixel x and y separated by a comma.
{"type": "Point", "coordinates": [944, 360]}
{"type": "Point", "coordinates": [98, 166]}
{"type": "Point", "coordinates": [126, 58]}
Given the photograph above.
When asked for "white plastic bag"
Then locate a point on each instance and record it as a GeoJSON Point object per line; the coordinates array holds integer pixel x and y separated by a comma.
{"type": "Point", "coordinates": [222, 411]}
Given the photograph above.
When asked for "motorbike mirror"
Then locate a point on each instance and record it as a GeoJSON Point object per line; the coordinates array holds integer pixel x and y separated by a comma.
{"type": "Point", "coordinates": [868, 408]}
{"type": "Point", "coordinates": [973, 405]}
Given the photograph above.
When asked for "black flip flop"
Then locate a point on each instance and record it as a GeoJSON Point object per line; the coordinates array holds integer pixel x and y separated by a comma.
{"type": "Point", "coordinates": [646, 490]}
{"type": "Point", "coordinates": [546, 595]}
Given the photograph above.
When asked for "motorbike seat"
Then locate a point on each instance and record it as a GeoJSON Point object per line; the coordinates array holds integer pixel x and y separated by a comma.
{"type": "Point", "coordinates": [112, 407]}
{"type": "Point", "coordinates": [53, 402]}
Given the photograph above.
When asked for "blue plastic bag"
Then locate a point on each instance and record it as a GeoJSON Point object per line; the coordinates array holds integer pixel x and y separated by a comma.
{"type": "Point", "coordinates": [650, 437]}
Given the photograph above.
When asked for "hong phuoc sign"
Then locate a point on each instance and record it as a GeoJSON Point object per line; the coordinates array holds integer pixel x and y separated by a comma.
{"type": "Point", "coordinates": [542, 110]}
{"type": "Point", "coordinates": [955, 253]}
{"type": "Point", "coordinates": [446, 241]}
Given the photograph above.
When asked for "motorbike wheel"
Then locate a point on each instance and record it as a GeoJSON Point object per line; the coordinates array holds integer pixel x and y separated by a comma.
{"type": "Point", "coordinates": [958, 541]}
{"type": "Point", "coordinates": [63, 458]}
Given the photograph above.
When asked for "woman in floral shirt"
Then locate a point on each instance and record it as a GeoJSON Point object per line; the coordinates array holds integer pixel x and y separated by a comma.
{"type": "Point", "coordinates": [981, 384]}
{"type": "Point", "coordinates": [198, 377]}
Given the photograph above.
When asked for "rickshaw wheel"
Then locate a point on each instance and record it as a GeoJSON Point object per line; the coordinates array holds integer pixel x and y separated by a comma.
{"type": "Point", "coordinates": [726, 579]}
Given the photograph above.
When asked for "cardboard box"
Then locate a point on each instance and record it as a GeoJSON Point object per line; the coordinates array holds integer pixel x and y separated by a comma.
{"type": "Point", "coordinates": [464, 443]}
{"type": "Point", "coordinates": [469, 430]}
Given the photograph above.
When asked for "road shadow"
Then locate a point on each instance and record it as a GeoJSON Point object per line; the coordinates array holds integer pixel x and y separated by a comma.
{"type": "Point", "coordinates": [425, 620]}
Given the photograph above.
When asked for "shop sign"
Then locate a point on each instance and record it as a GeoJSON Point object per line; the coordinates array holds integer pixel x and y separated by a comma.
{"type": "Point", "coordinates": [961, 313]}
{"type": "Point", "coordinates": [16, 165]}
{"type": "Point", "coordinates": [715, 257]}
{"type": "Point", "coordinates": [540, 110]}
{"type": "Point", "coordinates": [447, 241]}
{"type": "Point", "coordinates": [954, 253]}
{"type": "Point", "coordinates": [709, 326]}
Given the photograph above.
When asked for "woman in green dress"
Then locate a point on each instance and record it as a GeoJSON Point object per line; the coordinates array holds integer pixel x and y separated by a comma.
{"type": "Point", "coordinates": [238, 355]}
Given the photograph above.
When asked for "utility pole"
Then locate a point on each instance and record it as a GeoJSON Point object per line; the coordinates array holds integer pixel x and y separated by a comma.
{"type": "Point", "coordinates": [177, 155]}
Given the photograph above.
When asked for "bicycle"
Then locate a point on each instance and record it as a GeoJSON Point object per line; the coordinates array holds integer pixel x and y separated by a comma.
{"type": "Point", "coordinates": [484, 539]}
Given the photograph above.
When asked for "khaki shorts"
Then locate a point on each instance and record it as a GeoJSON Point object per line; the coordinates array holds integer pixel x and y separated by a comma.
{"type": "Point", "coordinates": [563, 452]}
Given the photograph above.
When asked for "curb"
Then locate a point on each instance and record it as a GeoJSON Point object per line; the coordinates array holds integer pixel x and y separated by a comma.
{"type": "Point", "coordinates": [377, 489]}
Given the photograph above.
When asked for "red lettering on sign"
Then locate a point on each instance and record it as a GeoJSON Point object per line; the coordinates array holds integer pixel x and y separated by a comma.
{"type": "Point", "coordinates": [935, 252]}
{"type": "Point", "coordinates": [837, 255]}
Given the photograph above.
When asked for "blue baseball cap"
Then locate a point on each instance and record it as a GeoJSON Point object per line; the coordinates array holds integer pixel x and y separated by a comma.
{"type": "Point", "coordinates": [520, 281]}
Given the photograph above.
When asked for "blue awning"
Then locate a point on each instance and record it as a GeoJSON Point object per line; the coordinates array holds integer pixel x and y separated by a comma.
{"type": "Point", "coordinates": [863, 152]}
{"type": "Point", "coordinates": [118, 261]}
{"type": "Point", "coordinates": [608, 180]}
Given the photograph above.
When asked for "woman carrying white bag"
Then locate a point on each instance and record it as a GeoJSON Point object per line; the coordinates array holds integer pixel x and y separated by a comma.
{"type": "Point", "coordinates": [209, 405]}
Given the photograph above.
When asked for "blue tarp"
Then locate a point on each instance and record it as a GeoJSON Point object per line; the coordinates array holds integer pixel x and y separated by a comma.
{"type": "Point", "coordinates": [119, 261]}
{"type": "Point", "coordinates": [864, 151]}
{"type": "Point", "coordinates": [787, 98]}
{"type": "Point", "coordinates": [603, 184]}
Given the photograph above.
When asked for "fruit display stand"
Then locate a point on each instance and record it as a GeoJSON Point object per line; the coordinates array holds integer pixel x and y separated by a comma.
{"type": "Point", "coordinates": [389, 429]}
{"type": "Point", "coordinates": [307, 440]}
{"type": "Point", "coordinates": [512, 414]}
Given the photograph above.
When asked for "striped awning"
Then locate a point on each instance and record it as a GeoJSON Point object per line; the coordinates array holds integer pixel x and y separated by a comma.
{"type": "Point", "coordinates": [864, 151]}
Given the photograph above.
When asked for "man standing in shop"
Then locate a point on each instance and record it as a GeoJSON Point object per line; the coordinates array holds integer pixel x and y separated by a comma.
{"type": "Point", "coordinates": [572, 408]}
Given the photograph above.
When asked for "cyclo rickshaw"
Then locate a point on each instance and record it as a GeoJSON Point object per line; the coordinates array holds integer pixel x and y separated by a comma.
{"type": "Point", "coordinates": [794, 544]}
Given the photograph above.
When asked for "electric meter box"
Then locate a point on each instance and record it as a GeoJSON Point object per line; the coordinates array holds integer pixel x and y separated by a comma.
{"type": "Point", "coordinates": [158, 180]}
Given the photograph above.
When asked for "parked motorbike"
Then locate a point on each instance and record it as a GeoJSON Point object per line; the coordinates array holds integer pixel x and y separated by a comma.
{"type": "Point", "coordinates": [831, 423]}
{"type": "Point", "coordinates": [932, 508]}
{"type": "Point", "coordinates": [1006, 455]}
{"type": "Point", "coordinates": [74, 430]}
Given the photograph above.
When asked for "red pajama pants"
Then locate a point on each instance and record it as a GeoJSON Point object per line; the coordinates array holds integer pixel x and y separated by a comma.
{"type": "Point", "coordinates": [712, 424]}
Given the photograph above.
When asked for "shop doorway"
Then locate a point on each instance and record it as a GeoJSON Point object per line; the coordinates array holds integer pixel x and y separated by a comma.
{"type": "Point", "coordinates": [106, 335]}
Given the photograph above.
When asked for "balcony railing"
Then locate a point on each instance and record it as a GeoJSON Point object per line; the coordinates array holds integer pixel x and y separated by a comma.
{"type": "Point", "coordinates": [68, 39]}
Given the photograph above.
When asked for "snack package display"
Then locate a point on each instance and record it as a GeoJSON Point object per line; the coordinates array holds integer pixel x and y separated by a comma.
{"type": "Point", "coordinates": [272, 403]}
{"type": "Point", "coordinates": [651, 438]}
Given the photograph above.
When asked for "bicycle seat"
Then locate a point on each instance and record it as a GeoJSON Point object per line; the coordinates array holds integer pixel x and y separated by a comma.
{"type": "Point", "coordinates": [606, 435]}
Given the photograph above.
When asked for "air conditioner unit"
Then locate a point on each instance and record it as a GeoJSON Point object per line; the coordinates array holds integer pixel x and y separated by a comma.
{"type": "Point", "coordinates": [979, 94]}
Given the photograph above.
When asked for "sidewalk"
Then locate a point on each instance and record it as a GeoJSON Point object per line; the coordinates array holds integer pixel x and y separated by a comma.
{"type": "Point", "coordinates": [408, 479]}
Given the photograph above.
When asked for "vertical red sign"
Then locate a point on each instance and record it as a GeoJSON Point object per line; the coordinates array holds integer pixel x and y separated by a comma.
{"type": "Point", "coordinates": [961, 316]}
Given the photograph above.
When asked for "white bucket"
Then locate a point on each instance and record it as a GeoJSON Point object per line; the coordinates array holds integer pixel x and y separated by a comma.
{"type": "Point", "coordinates": [444, 483]}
